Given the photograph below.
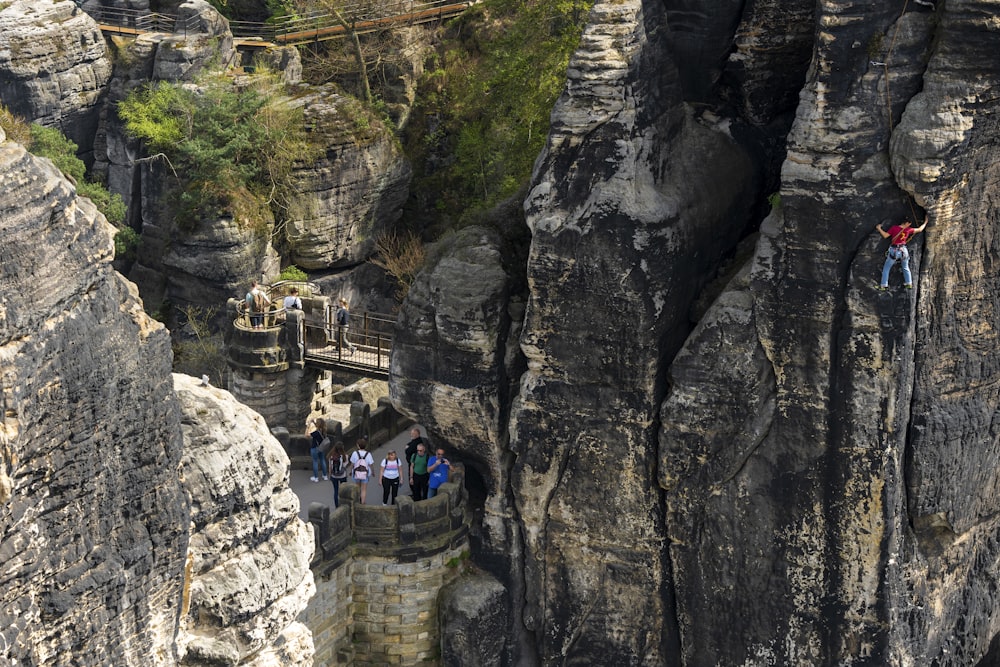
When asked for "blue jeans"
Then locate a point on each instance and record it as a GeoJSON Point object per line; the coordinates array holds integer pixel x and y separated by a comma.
{"type": "Point", "coordinates": [319, 461]}
{"type": "Point", "coordinates": [431, 493]}
{"type": "Point", "coordinates": [336, 490]}
{"type": "Point", "coordinates": [901, 254]}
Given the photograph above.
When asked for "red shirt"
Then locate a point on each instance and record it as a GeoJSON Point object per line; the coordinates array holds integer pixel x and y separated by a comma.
{"type": "Point", "coordinates": [899, 235]}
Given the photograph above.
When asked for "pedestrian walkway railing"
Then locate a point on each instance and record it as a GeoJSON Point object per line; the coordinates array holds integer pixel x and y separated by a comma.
{"type": "Point", "coordinates": [365, 343]}
{"type": "Point", "coordinates": [274, 317]}
{"type": "Point", "coordinates": [356, 17]}
{"type": "Point", "coordinates": [132, 21]}
{"type": "Point", "coordinates": [313, 336]}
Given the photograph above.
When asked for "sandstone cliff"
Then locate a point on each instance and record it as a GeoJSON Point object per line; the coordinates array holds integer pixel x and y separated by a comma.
{"type": "Point", "coordinates": [54, 66]}
{"type": "Point", "coordinates": [807, 476]}
{"type": "Point", "coordinates": [142, 519]}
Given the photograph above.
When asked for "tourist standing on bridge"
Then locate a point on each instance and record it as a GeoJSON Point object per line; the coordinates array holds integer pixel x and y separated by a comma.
{"type": "Point", "coordinates": [343, 322]}
{"type": "Point", "coordinates": [337, 464]}
{"type": "Point", "coordinates": [257, 304]}
{"type": "Point", "coordinates": [411, 449]}
{"type": "Point", "coordinates": [361, 465]}
{"type": "Point", "coordinates": [292, 301]}
{"type": "Point", "coordinates": [388, 477]}
{"type": "Point", "coordinates": [438, 467]}
{"type": "Point", "coordinates": [419, 477]}
{"type": "Point", "coordinates": [318, 440]}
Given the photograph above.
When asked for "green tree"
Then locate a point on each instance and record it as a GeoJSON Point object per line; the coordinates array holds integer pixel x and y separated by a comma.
{"type": "Point", "coordinates": [50, 143]}
{"type": "Point", "coordinates": [232, 148]}
{"type": "Point", "coordinates": [485, 102]}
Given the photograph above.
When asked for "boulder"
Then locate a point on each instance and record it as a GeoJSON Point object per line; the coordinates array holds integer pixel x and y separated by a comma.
{"type": "Point", "coordinates": [474, 613]}
{"type": "Point", "coordinates": [249, 552]}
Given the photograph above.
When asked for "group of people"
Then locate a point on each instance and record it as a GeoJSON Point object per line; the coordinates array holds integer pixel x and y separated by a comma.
{"type": "Point", "coordinates": [426, 473]}
{"type": "Point", "coordinates": [258, 302]}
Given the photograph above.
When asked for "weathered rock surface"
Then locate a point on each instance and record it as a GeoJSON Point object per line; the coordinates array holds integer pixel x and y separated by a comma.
{"type": "Point", "coordinates": [135, 528]}
{"type": "Point", "coordinates": [455, 365]}
{"type": "Point", "coordinates": [474, 620]}
{"type": "Point", "coordinates": [808, 476]}
{"type": "Point", "coordinates": [249, 552]}
{"type": "Point", "coordinates": [54, 66]}
{"type": "Point", "coordinates": [93, 518]}
{"type": "Point", "coordinates": [355, 190]}
{"type": "Point", "coordinates": [612, 274]}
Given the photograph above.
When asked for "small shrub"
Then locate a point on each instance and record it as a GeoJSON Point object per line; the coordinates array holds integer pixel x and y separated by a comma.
{"type": "Point", "coordinates": [51, 143]}
{"type": "Point", "coordinates": [126, 244]}
{"type": "Point", "coordinates": [292, 272]}
{"type": "Point", "coordinates": [401, 256]}
{"type": "Point", "coordinates": [16, 128]}
{"type": "Point", "coordinates": [234, 149]}
{"type": "Point", "coordinates": [484, 103]}
{"type": "Point", "coordinates": [202, 351]}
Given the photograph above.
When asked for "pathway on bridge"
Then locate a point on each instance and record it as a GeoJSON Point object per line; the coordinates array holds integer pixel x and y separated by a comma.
{"type": "Point", "coordinates": [358, 18]}
{"type": "Point", "coordinates": [322, 492]}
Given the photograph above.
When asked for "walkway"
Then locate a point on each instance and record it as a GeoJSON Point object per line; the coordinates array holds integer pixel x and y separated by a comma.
{"type": "Point", "coordinates": [355, 18]}
{"type": "Point", "coordinates": [317, 337]}
{"type": "Point", "coordinates": [322, 492]}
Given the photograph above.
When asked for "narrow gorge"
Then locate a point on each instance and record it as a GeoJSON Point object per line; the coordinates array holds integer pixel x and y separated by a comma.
{"type": "Point", "coordinates": [694, 431]}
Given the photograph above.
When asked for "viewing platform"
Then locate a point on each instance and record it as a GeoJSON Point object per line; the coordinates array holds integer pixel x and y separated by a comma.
{"type": "Point", "coordinates": [278, 339]}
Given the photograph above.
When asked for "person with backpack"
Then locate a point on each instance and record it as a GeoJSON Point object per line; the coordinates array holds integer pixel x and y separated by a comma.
{"type": "Point", "coordinates": [388, 477]}
{"type": "Point", "coordinates": [361, 467]}
{"type": "Point", "coordinates": [319, 445]}
{"type": "Point", "coordinates": [343, 322]}
{"type": "Point", "coordinates": [257, 304]}
{"type": "Point", "coordinates": [438, 467]}
{"type": "Point", "coordinates": [337, 464]}
{"type": "Point", "coordinates": [418, 472]}
{"type": "Point", "coordinates": [899, 235]}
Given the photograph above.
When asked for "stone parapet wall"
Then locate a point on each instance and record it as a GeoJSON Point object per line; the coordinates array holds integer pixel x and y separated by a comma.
{"type": "Point", "coordinates": [378, 426]}
{"type": "Point", "coordinates": [378, 573]}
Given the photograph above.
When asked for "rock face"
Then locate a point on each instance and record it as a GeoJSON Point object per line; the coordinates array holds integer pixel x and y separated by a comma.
{"type": "Point", "coordinates": [93, 519]}
{"type": "Point", "coordinates": [355, 190]}
{"type": "Point", "coordinates": [134, 526]}
{"type": "Point", "coordinates": [807, 476]}
{"type": "Point", "coordinates": [249, 552]}
{"type": "Point", "coordinates": [53, 66]}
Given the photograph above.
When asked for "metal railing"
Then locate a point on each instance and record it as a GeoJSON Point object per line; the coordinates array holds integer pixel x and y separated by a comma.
{"type": "Point", "coordinates": [273, 318]}
{"type": "Point", "coordinates": [360, 17]}
{"type": "Point", "coordinates": [133, 21]}
{"type": "Point", "coordinates": [365, 344]}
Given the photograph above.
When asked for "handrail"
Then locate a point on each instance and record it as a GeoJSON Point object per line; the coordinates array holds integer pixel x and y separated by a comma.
{"type": "Point", "coordinates": [361, 16]}
{"type": "Point", "coordinates": [271, 319]}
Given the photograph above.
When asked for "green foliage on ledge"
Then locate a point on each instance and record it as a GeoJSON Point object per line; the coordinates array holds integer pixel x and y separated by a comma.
{"type": "Point", "coordinates": [50, 143]}
{"type": "Point", "coordinates": [483, 108]}
{"type": "Point", "coordinates": [232, 149]}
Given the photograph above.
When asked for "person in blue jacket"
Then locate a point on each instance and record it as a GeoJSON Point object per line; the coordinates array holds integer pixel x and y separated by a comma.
{"type": "Point", "coordinates": [438, 469]}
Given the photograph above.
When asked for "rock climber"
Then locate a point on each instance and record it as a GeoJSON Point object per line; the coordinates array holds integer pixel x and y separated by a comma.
{"type": "Point", "coordinates": [898, 235]}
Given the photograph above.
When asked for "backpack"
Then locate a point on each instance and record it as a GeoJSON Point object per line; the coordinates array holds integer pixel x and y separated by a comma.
{"type": "Point", "coordinates": [324, 446]}
{"type": "Point", "coordinates": [361, 467]}
{"type": "Point", "coordinates": [259, 304]}
{"type": "Point", "coordinates": [337, 467]}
